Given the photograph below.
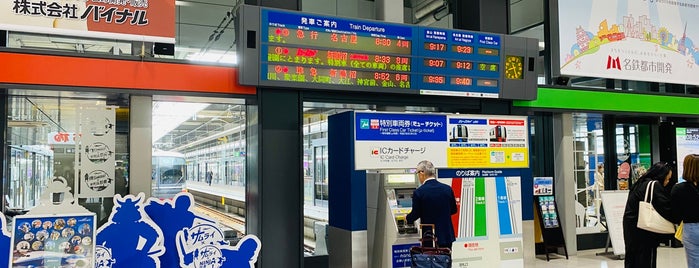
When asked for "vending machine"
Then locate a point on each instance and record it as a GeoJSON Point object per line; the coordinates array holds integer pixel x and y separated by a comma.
{"type": "Point", "coordinates": [389, 200]}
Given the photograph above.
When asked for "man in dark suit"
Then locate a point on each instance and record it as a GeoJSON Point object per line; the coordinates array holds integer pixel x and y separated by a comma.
{"type": "Point", "coordinates": [434, 203]}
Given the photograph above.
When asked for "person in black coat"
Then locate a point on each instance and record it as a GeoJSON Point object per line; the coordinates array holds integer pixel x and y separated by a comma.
{"type": "Point", "coordinates": [642, 245]}
{"type": "Point", "coordinates": [434, 203]}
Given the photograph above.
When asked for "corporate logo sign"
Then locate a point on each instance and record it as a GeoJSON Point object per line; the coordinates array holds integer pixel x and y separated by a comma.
{"type": "Point", "coordinates": [630, 39]}
{"type": "Point", "coordinates": [147, 20]}
{"type": "Point", "coordinates": [613, 63]}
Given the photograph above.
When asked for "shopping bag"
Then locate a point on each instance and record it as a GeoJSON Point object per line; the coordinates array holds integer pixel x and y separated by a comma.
{"type": "Point", "coordinates": [678, 233]}
{"type": "Point", "coordinates": [648, 218]}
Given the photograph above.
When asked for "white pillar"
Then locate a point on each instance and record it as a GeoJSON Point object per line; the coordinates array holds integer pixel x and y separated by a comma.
{"type": "Point", "coordinates": [564, 179]}
{"type": "Point", "coordinates": [390, 10]}
{"type": "Point", "coordinates": [140, 144]}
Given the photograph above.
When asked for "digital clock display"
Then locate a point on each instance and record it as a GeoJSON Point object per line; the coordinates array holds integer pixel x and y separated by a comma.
{"type": "Point", "coordinates": [459, 63]}
{"type": "Point", "coordinates": [461, 81]}
{"type": "Point", "coordinates": [434, 79]}
{"type": "Point", "coordinates": [435, 46]}
{"type": "Point", "coordinates": [462, 49]}
{"type": "Point", "coordinates": [462, 65]}
{"type": "Point", "coordinates": [435, 63]}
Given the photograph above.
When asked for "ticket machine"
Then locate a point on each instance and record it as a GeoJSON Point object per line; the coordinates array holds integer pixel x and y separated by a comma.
{"type": "Point", "coordinates": [389, 200]}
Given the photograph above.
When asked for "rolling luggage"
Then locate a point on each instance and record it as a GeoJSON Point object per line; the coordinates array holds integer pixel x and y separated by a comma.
{"type": "Point", "coordinates": [428, 254]}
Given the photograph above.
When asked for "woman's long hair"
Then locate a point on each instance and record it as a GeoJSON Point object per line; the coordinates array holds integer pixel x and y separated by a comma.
{"type": "Point", "coordinates": [657, 172]}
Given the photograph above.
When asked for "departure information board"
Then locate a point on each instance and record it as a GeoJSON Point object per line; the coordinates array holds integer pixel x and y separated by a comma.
{"type": "Point", "coordinates": [459, 63]}
{"type": "Point", "coordinates": [320, 52]}
{"type": "Point", "coordinates": [304, 48]}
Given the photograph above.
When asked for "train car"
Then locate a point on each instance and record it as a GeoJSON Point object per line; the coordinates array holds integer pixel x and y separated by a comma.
{"type": "Point", "coordinates": [168, 175]}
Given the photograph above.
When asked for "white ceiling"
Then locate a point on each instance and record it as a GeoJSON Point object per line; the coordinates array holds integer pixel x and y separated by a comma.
{"type": "Point", "coordinates": [196, 21]}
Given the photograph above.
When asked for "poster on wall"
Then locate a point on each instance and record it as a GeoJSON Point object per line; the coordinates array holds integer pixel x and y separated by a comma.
{"type": "Point", "coordinates": [630, 39]}
{"type": "Point", "coordinates": [139, 20]}
{"type": "Point", "coordinates": [687, 140]}
{"type": "Point", "coordinates": [95, 152]}
{"type": "Point", "coordinates": [53, 241]}
{"type": "Point", "coordinates": [385, 140]}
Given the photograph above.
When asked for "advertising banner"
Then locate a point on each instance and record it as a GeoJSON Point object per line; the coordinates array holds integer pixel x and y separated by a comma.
{"type": "Point", "coordinates": [53, 240]}
{"type": "Point", "coordinates": [488, 141]}
{"type": "Point", "coordinates": [385, 140]}
{"type": "Point", "coordinates": [140, 20]}
{"type": "Point", "coordinates": [630, 39]}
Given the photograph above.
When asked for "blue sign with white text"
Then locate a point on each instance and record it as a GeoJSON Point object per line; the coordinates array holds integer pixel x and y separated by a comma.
{"type": "Point", "coordinates": [400, 127]}
{"type": "Point", "coordinates": [467, 121]}
{"type": "Point", "coordinates": [307, 20]}
{"type": "Point", "coordinates": [400, 254]}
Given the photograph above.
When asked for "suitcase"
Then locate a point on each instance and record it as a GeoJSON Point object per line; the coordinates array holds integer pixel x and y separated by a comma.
{"type": "Point", "coordinates": [428, 255]}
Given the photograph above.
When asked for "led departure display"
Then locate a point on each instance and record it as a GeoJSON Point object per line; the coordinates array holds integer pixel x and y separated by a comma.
{"type": "Point", "coordinates": [314, 51]}
{"type": "Point", "coordinates": [459, 63]}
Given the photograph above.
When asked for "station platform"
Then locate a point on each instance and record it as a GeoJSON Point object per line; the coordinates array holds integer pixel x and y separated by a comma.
{"type": "Point", "coordinates": [237, 192]}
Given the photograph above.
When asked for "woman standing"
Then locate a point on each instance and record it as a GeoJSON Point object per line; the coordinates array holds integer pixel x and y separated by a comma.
{"type": "Point", "coordinates": [685, 198]}
{"type": "Point", "coordinates": [642, 245]}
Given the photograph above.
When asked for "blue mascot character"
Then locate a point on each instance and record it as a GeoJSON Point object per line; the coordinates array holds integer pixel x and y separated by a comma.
{"type": "Point", "coordinates": [133, 239]}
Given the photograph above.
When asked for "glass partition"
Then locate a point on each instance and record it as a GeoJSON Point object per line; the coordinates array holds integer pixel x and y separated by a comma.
{"type": "Point", "coordinates": [589, 171]}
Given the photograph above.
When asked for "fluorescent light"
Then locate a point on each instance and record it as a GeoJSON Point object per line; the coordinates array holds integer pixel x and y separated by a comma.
{"type": "Point", "coordinates": [213, 56]}
{"type": "Point", "coordinates": [169, 115]}
{"type": "Point", "coordinates": [182, 3]}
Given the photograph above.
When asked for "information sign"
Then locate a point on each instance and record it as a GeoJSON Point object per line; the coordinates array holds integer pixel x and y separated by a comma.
{"type": "Point", "coordinates": [399, 140]}
{"type": "Point", "coordinates": [400, 255]}
{"type": "Point", "coordinates": [543, 185]}
{"type": "Point", "coordinates": [687, 141]}
{"type": "Point", "coordinates": [487, 141]}
{"type": "Point", "coordinates": [386, 140]}
{"type": "Point", "coordinates": [614, 204]}
{"type": "Point", "coordinates": [462, 63]}
{"type": "Point", "coordinates": [304, 50]}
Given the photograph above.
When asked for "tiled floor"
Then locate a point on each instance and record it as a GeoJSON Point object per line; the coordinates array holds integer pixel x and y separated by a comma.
{"type": "Point", "coordinates": [667, 257]}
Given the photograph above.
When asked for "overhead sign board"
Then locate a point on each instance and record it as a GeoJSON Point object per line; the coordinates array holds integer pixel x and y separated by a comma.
{"type": "Point", "coordinates": [386, 140]}
{"type": "Point", "coordinates": [140, 20]}
{"type": "Point", "coordinates": [629, 39]}
{"type": "Point", "coordinates": [292, 49]}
